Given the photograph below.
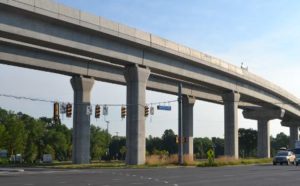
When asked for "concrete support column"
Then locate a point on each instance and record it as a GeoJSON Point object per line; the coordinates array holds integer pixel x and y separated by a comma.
{"type": "Point", "coordinates": [263, 138]}
{"type": "Point", "coordinates": [263, 117]}
{"type": "Point", "coordinates": [231, 147]}
{"type": "Point", "coordinates": [136, 78]}
{"type": "Point", "coordinates": [81, 122]}
{"type": "Point", "coordinates": [294, 135]}
{"type": "Point", "coordinates": [187, 127]}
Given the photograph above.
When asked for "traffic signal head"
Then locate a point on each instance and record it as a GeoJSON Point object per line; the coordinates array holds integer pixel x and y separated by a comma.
{"type": "Point", "coordinates": [185, 139]}
{"type": "Point", "coordinates": [123, 112]}
{"type": "Point", "coordinates": [146, 111]}
{"type": "Point", "coordinates": [56, 111]}
{"type": "Point", "coordinates": [69, 110]}
{"type": "Point", "coordinates": [97, 111]}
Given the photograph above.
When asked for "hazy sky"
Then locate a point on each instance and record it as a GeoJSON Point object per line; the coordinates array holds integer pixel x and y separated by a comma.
{"type": "Point", "coordinates": [264, 34]}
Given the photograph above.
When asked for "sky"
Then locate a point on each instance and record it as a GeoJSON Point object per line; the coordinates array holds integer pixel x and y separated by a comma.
{"type": "Point", "coordinates": [263, 34]}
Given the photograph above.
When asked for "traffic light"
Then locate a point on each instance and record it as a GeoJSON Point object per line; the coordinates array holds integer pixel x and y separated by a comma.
{"type": "Point", "coordinates": [69, 110]}
{"type": "Point", "coordinates": [185, 139]}
{"type": "Point", "coordinates": [97, 111]}
{"type": "Point", "coordinates": [146, 111]}
{"type": "Point", "coordinates": [123, 112]}
{"type": "Point", "coordinates": [56, 111]}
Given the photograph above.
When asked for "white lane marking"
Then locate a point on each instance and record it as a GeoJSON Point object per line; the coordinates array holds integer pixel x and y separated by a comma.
{"type": "Point", "coordinates": [166, 182]}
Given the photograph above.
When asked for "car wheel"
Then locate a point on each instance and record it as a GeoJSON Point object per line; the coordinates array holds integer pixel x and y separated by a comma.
{"type": "Point", "coordinates": [274, 163]}
{"type": "Point", "coordinates": [296, 163]}
{"type": "Point", "coordinates": [281, 163]}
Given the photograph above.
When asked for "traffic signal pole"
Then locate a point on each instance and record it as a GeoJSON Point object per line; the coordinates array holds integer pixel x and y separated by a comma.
{"type": "Point", "coordinates": [180, 146]}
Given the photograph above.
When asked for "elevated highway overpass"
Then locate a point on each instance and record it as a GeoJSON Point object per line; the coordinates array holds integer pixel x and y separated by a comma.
{"type": "Point", "coordinates": [48, 36]}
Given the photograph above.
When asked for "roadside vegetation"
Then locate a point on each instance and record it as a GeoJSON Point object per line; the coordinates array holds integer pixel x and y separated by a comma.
{"type": "Point", "coordinates": [31, 137]}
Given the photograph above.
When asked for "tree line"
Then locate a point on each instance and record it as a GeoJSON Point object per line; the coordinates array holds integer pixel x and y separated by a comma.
{"type": "Point", "coordinates": [22, 134]}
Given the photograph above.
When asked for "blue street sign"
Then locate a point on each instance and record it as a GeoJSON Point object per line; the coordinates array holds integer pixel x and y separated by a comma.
{"type": "Point", "coordinates": [161, 107]}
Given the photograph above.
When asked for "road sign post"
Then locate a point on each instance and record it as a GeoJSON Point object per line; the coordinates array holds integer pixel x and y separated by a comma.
{"type": "Point", "coordinates": [180, 149]}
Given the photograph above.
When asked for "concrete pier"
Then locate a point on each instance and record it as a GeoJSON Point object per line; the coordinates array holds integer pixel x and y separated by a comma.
{"type": "Point", "coordinates": [294, 131]}
{"type": "Point", "coordinates": [187, 127]}
{"type": "Point", "coordinates": [231, 124]}
{"type": "Point", "coordinates": [294, 135]}
{"type": "Point", "coordinates": [81, 121]}
{"type": "Point", "coordinates": [263, 117]}
{"type": "Point", "coordinates": [263, 138]}
{"type": "Point", "coordinates": [136, 79]}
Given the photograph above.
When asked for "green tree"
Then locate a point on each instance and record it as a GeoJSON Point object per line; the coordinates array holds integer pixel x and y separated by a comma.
{"type": "Point", "coordinates": [115, 147]}
{"type": "Point", "coordinates": [3, 116]}
{"type": "Point", "coordinates": [31, 153]}
{"type": "Point", "coordinates": [3, 135]}
{"type": "Point", "coordinates": [219, 146]}
{"type": "Point", "coordinates": [201, 146]}
{"type": "Point", "coordinates": [49, 150]}
{"type": "Point", "coordinates": [57, 140]}
{"type": "Point", "coordinates": [153, 144]}
{"type": "Point", "coordinates": [36, 131]}
{"type": "Point", "coordinates": [16, 135]}
{"type": "Point", "coordinates": [169, 142]}
{"type": "Point", "coordinates": [99, 142]}
{"type": "Point", "coordinates": [281, 140]}
{"type": "Point", "coordinates": [247, 142]}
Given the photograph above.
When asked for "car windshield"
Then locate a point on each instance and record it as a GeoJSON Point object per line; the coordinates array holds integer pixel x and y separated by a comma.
{"type": "Point", "coordinates": [297, 151]}
{"type": "Point", "coordinates": [282, 153]}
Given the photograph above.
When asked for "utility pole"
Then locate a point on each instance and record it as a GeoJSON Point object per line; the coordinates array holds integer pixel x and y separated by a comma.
{"type": "Point", "coordinates": [180, 147]}
{"type": "Point", "coordinates": [107, 126]}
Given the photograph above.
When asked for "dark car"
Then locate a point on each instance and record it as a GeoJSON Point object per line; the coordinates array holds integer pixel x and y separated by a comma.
{"type": "Point", "coordinates": [297, 154]}
{"type": "Point", "coordinates": [284, 157]}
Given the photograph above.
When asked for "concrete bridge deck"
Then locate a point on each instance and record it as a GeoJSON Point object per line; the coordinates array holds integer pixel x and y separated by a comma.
{"type": "Point", "coordinates": [49, 36]}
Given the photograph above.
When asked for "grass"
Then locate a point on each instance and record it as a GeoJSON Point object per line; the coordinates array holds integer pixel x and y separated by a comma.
{"type": "Point", "coordinates": [115, 164]}
{"type": "Point", "coordinates": [226, 161]}
{"type": "Point", "coordinates": [151, 161]}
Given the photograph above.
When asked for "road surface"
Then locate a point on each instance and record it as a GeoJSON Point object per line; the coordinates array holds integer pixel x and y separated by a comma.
{"type": "Point", "coordinates": [226, 176]}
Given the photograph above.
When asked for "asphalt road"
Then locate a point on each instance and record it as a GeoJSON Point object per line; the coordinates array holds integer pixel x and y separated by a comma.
{"type": "Point", "coordinates": [225, 176]}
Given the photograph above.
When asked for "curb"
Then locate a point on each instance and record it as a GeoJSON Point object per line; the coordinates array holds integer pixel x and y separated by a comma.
{"type": "Point", "coordinates": [11, 170]}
